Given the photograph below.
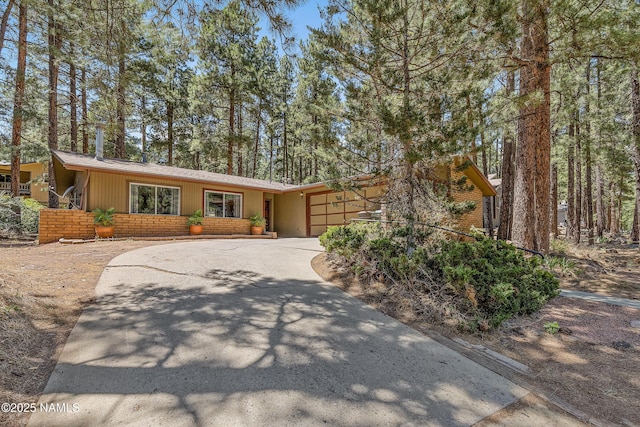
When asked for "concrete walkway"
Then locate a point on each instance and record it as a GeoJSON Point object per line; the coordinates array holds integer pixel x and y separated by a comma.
{"type": "Point", "coordinates": [244, 333]}
{"type": "Point", "coordinates": [633, 303]}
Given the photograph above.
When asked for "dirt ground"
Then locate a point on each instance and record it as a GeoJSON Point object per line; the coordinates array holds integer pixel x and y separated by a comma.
{"type": "Point", "coordinates": [594, 365]}
{"type": "Point", "coordinates": [43, 290]}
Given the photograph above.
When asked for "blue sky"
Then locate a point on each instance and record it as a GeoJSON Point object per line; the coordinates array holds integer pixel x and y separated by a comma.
{"type": "Point", "coordinates": [303, 16]}
{"type": "Point", "coordinates": [306, 15]}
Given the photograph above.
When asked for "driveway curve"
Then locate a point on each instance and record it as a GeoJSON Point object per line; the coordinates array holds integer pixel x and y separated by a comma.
{"type": "Point", "coordinates": [244, 333]}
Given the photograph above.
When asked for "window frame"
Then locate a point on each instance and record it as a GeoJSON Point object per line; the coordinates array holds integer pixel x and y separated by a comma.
{"type": "Point", "coordinates": [224, 193]}
{"type": "Point", "coordinates": [155, 186]}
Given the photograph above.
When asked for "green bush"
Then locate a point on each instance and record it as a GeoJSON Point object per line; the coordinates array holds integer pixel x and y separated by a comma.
{"type": "Point", "coordinates": [346, 241]}
{"type": "Point", "coordinates": [484, 281]}
{"type": "Point", "coordinates": [498, 281]}
{"type": "Point", "coordinates": [18, 216]}
{"type": "Point", "coordinates": [30, 218]}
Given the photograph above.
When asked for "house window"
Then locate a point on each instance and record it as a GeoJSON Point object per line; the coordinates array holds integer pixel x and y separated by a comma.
{"type": "Point", "coordinates": [154, 199]}
{"type": "Point", "coordinates": [223, 205]}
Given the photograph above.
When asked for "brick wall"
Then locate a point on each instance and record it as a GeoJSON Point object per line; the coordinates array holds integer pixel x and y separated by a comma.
{"type": "Point", "coordinates": [473, 218]}
{"type": "Point", "coordinates": [75, 224]}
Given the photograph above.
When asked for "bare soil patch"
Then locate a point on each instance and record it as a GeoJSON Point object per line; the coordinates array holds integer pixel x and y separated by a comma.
{"type": "Point", "coordinates": [612, 270]}
{"type": "Point", "coordinates": [593, 363]}
{"type": "Point", "coordinates": [43, 290]}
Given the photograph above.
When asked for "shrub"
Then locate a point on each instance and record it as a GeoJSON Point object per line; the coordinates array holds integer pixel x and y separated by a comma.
{"type": "Point", "coordinates": [504, 283]}
{"type": "Point", "coordinates": [483, 282]}
{"type": "Point", "coordinates": [18, 216]}
{"type": "Point", "coordinates": [346, 241]}
{"type": "Point", "coordinates": [30, 216]}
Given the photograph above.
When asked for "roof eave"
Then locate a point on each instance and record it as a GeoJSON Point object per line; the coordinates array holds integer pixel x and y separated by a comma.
{"type": "Point", "coordinates": [82, 168]}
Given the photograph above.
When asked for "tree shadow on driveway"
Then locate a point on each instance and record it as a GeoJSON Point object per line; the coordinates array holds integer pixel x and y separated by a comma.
{"type": "Point", "coordinates": [241, 348]}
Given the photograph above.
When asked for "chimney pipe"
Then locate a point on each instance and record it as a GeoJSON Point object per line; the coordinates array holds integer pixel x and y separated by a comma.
{"type": "Point", "coordinates": [99, 142]}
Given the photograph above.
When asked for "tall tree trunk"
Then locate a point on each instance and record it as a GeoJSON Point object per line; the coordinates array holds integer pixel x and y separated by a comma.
{"type": "Point", "coordinates": [170, 133]}
{"type": "Point", "coordinates": [614, 227]}
{"type": "Point", "coordinates": [85, 124]}
{"type": "Point", "coordinates": [571, 181]}
{"type": "Point", "coordinates": [73, 102]}
{"type": "Point", "coordinates": [554, 199]}
{"type": "Point", "coordinates": [232, 119]}
{"type": "Point", "coordinates": [635, 229]}
{"type": "Point", "coordinates": [533, 154]}
{"type": "Point", "coordinates": [271, 156]}
{"type": "Point", "coordinates": [285, 146]}
{"type": "Point", "coordinates": [587, 159]}
{"type": "Point", "coordinates": [407, 145]}
{"type": "Point", "coordinates": [508, 158]}
{"type": "Point", "coordinates": [256, 141]}
{"type": "Point", "coordinates": [300, 172]}
{"type": "Point", "coordinates": [3, 23]}
{"type": "Point", "coordinates": [472, 146]}
{"type": "Point", "coordinates": [314, 120]}
{"type": "Point", "coordinates": [120, 103]}
{"type": "Point", "coordinates": [18, 98]}
{"type": "Point", "coordinates": [240, 142]}
{"type": "Point", "coordinates": [635, 108]}
{"type": "Point", "coordinates": [488, 201]}
{"type": "Point", "coordinates": [600, 209]}
{"type": "Point", "coordinates": [143, 123]}
{"type": "Point", "coordinates": [578, 207]}
{"type": "Point", "coordinates": [54, 48]}
{"type": "Point", "coordinates": [619, 202]}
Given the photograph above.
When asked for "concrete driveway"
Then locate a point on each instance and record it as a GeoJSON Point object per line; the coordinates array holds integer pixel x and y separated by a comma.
{"type": "Point", "coordinates": [244, 333]}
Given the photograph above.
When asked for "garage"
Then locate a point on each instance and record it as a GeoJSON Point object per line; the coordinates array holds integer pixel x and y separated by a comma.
{"type": "Point", "coordinates": [338, 208]}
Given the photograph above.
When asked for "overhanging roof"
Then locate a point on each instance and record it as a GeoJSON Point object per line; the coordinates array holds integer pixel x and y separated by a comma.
{"type": "Point", "coordinates": [476, 176]}
{"type": "Point", "coordinates": [86, 162]}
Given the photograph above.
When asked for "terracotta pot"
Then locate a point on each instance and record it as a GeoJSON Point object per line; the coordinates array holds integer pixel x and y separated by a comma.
{"type": "Point", "coordinates": [256, 231]}
{"type": "Point", "coordinates": [104, 232]}
{"type": "Point", "coordinates": [195, 229]}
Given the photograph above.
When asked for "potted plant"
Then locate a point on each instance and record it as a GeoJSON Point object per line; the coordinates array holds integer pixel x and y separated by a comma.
{"type": "Point", "coordinates": [195, 222]}
{"type": "Point", "coordinates": [103, 222]}
{"type": "Point", "coordinates": [257, 224]}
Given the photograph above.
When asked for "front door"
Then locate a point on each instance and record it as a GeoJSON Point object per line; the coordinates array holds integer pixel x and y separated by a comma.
{"type": "Point", "coordinates": [267, 215]}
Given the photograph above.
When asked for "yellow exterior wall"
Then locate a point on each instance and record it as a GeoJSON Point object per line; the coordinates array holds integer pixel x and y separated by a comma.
{"type": "Point", "coordinates": [112, 190]}
{"type": "Point", "coordinates": [290, 214]}
{"type": "Point", "coordinates": [32, 172]}
{"type": "Point", "coordinates": [291, 209]}
{"type": "Point", "coordinates": [39, 190]}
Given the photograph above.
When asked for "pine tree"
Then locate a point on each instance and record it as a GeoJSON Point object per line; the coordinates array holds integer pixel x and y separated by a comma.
{"type": "Point", "coordinates": [225, 47]}
{"type": "Point", "coordinates": [18, 99]}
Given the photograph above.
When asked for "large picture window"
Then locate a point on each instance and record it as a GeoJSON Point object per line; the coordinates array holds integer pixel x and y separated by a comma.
{"type": "Point", "coordinates": [154, 199]}
{"type": "Point", "coordinates": [223, 205]}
